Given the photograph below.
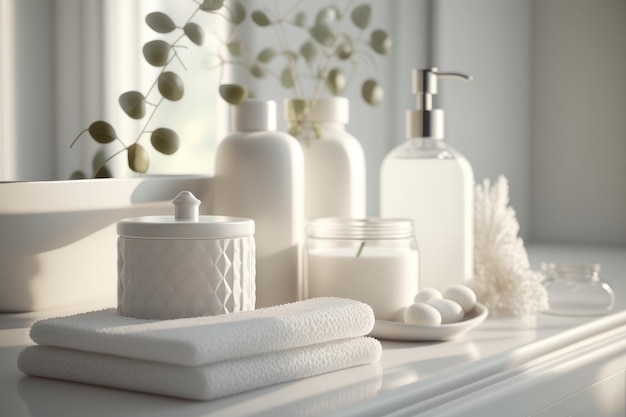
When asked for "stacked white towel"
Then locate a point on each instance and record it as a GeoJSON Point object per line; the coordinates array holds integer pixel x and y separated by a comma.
{"type": "Point", "coordinates": [204, 358]}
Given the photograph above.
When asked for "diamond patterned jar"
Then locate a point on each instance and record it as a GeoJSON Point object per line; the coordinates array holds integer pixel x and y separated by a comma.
{"type": "Point", "coordinates": [185, 266]}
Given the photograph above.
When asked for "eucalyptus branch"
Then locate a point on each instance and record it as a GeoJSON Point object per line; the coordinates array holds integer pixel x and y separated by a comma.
{"type": "Point", "coordinates": [326, 44]}
{"type": "Point", "coordinates": [158, 53]}
{"type": "Point", "coordinates": [145, 126]}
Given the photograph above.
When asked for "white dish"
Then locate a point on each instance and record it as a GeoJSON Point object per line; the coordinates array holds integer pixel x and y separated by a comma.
{"type": "Point", "coordinates": [393, 330]}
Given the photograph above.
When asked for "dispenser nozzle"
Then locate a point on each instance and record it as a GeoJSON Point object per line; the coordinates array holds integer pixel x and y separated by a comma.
{"type": "Point", "coordinates": [426, 121]}
{"type": "Point", "coordinates": [425, 84]}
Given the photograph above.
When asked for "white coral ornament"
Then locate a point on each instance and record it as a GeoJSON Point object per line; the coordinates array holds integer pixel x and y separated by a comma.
{"type": "Point", "coordinates": [503, 279]}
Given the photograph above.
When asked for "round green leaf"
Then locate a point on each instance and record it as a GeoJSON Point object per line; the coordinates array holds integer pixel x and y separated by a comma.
{"type": "Point", "coordinates": [381, 42]}
{"type": "Point", "coordinates": [300, 19]}
{"type": "Point", "coordinates": [327, 16]}
{"type": "Point", "coordinates": [257, 71]}
{"type": "Point", "coordinates": [291, 55]}
{"type": "Point", "coordinates": [235, 47]}
{"type": "Point", "coordinates": [160, 22]}
{"type": "Point", "coordinates": [171, 86]}
{"type": "Point", "coordinates": [102, 132]}
{"type": "Point", "coordinates": [361, 16]}
{"type": "Point", "coordinates": [165, 140]}
{"type": "Point", "coordinates": [157, 52]}
{"type": "Point", "coordinates": [336, 81]}
{"type": "Point", "coordinates": [323, 34]}
{"type": "Point", "coordinates": [134, 104]}
{"type": "Point", "coordinates": [211, 5]}
{"type": "Point", "coordinates": [345, 50]}
{"type": "Point", "coordinates": [233, 93]}
{"type": "Point", "coordinates": [372, 92]}
{"type": "Point", "coordinates": [297, 109]}
{"type": "Point", "coordinates": [309, 51]}
{"type": "Point", "coordinates": [266, 55]}
{"type": "Point", "coordinates": [237, 13]}
{"type": "Point", "coordinates": [138, 158]}
{"type": "Point", "coordinates": [194, 32]}
{"type": "Point", "coordinates": [261, 19]}
{"type": "Point", "coordinates": [104, 172]}
{"type": "Point", "coordinates": [78, 175]}
{"type": "Point", "coordinates": [286, 78]}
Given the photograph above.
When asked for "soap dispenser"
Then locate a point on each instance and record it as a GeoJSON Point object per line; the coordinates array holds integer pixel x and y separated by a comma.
{"type": "Point", "coordinates": [426, 180]}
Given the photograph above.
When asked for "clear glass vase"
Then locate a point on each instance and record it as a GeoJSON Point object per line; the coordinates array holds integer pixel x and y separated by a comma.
{"type": "Point", "coordinates": [577, 290]}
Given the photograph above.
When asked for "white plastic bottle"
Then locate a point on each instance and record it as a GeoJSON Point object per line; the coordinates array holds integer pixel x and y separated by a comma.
{"type": "Point", "coordinates": [334, 159]}
{"type": "Point", "coordinates": [426, 180]}
{"type": "Point", "coordinates": [259, 174]}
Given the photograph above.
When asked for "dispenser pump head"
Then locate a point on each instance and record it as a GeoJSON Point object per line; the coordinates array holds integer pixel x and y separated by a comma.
{"type": "Point", "coordinates": [426, 121]}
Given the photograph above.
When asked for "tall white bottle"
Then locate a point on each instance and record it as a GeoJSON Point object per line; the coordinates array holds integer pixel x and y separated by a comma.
{"type": "Point", "coordinates": [259, 174]}
{"type": "Point", "coordinates": [426, 180]}
{"type": "Point", "coordinates": [334, 159]}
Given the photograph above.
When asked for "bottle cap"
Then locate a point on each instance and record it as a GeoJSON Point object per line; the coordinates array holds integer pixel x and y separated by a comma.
{"type": "Point", "coordinates": [326, 109]}
{"type": "Point", "coordinates": [254, 115]}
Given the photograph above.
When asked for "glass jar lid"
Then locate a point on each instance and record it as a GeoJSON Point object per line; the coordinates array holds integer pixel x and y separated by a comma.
{"type": "Point", "coordinates": [360, 229]}
{"type": "Point", "coordinates": [185, 224]}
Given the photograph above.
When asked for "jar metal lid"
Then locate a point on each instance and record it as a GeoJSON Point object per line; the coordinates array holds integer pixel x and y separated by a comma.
{"type": "Point", "coordinates": [185, 224]}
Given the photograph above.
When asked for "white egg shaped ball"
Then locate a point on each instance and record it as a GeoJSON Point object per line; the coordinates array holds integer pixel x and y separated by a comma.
{"type": "Point", "coordinates": [427, 294]}
{"type": "Point", "coordinates": [451, 312]}
{"type": "Point", "coordinates": [461, 294]}
{"type": "Point", "coordinates": [422, 314]}
{"type": "Point", "coordinates": [399, 315]}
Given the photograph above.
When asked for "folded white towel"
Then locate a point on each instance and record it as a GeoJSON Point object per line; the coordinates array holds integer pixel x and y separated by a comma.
{"type": "Point", "coordinates": [203, 382]}
{"type": "Point", "coordinates": [204, 340]}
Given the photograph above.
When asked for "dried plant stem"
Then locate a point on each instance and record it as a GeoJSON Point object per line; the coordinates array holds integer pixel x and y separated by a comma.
{"type": "Point", "coordinates": [292, 62]}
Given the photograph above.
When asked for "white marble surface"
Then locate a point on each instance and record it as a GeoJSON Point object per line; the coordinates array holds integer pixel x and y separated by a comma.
{"type": "Point", "coordinates": [408, 374]}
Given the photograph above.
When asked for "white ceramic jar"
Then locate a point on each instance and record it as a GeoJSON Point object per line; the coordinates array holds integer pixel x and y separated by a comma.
{"type": "Point", "coordinates": [185, 265]}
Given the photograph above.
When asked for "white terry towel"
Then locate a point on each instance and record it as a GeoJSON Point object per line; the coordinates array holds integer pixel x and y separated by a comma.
{"type": "Point", "coordinates": [203, 382]}
{"type": "Point", "coordinates": [204, 340]}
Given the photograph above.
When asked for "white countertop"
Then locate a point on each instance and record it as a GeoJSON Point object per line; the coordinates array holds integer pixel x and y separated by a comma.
{"type": "Point", "coordinates": [409, 375]}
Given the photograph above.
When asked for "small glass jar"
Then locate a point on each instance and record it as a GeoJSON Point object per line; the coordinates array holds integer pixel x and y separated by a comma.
{"type": "Point", "coordinates": [372, 260]}
{"type": "Point", "coordinates": [577, 290]}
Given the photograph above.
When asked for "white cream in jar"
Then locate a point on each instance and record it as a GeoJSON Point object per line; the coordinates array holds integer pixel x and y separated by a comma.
{"type": "Point", "coordinates": [371, 260]}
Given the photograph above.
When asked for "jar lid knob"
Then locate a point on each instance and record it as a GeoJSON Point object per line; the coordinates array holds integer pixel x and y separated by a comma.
{"type": "Point", "coordinates": [186, 206]}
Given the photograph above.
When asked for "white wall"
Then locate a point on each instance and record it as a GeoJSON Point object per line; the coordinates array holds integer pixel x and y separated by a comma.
{"type": "Point", "coordinates": [578, 173]}
{"type": "Point", "coordinates": [547, 108]}
{"type": "Point", "coordinates": [489, 119]}
{"type": "Point", "coordinates": [27, 90]}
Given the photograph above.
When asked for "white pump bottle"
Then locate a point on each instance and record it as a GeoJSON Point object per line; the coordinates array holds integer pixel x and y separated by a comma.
{"type": "Point", "coordinates": [426, 180]}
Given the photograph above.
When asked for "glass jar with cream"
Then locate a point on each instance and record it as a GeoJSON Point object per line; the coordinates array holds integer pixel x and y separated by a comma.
{"type": "Point", "coordinates": [372, 260]}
